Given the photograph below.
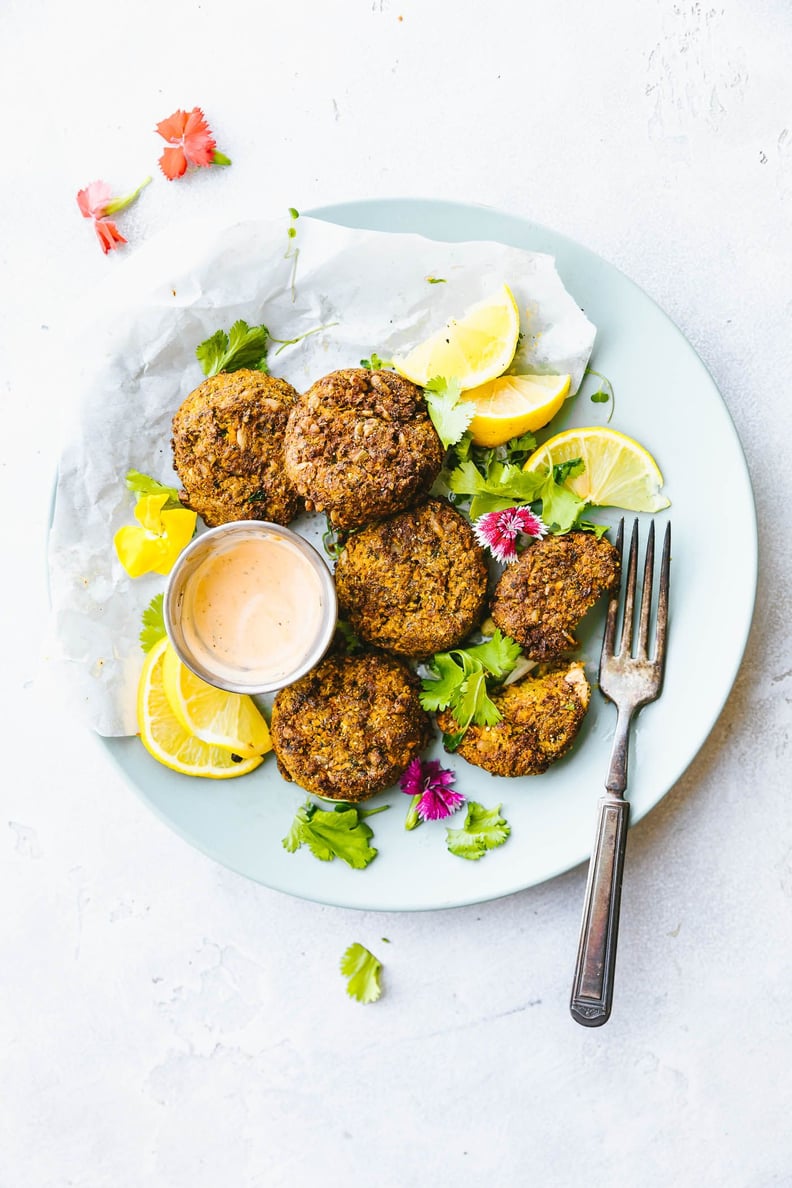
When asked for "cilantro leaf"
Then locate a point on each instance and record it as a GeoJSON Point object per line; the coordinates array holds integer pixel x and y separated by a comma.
{"type": "Point", "coordinates": [458, 682]}
{"type": "Point", "coordinates": [242, 346]}
{"type": "Point", "coordinates": [153, 623]}
{"type": "Point", "coordinates": [504, 485]}
{"type": "Point", "coordinates": [439, 693]}
{"type": "Point", "coordinates": [572, 468]}
{"type": "Point", "coordinates": [362, 971]}
{"type": "Point", "coordinates": [483, 830]}
{"type": "Point", "coordinates": [604, 393]}
{"type": "Point", "coordinates": [498, 655]}
{"type": "Point", "coordinates": [449, 414]}
{"type": "Point", "coordinates": [560, 506]}
{"type": "Point", "coordinates": [339, 833]}
{"type": "Point", "coordinates": [212, 351]}
{"type": "Point", "coordinates": [473, 704]}
{"type": "Point", "coordinates": [144, 484]}
{"type": "Point", "coordinates": [519, 448]}
{"type": "Point", "coordinates": [598, 530]}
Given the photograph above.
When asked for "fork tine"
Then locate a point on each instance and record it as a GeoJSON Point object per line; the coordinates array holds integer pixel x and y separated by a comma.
{"type": "Point", "coordinates": [625, 644]}
{"type": "Point", "coordinates": [662, 601]}
{"type": "Point", "coordinates": [646, 596]}
{"type": "Point", "coordinates": [613, 604]}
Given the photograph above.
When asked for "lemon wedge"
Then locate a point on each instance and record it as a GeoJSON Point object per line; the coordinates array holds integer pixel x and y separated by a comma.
{"type": "Point", "coordinates": [618, 471]}
{"type": "Point", "coordinates": [232, 721]}
{"type": "Point", "coordinates": [515, 404]}
{"type": "Point", "coordinates": [166, 739]}
{"type": "Point", "coordinates": [472, 349]}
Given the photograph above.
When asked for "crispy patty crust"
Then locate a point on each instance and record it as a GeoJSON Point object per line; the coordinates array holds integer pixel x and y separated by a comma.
{"type": "Point", "coordinates": [228, 449]}
{"type": "Point", "coordinates": [350, 727]}
{"type": "Point", "coordinates": [541, 716]}
{"type": "Point", "coordinates": [415, 583]}
{"type": "Point", "coordinates": [360, 446]}
{"type": "Point", "coordinates": [542, 597]}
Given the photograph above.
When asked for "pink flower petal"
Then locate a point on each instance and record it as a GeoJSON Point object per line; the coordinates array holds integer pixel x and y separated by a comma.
{"type": "Point", "coordinates": [93, 200]}
{"type": "Point", "coordinates": [108, 234]}
{"type": "Point", "coordinates": [432, 782]}
{"type": "Point", "coordinates": [438, 803]}
{"type": "Point", "coordinates": [498, 531]}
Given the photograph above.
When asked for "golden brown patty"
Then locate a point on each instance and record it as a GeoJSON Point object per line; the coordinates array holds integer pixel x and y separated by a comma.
{"type": "Point", "coordinates": [542, 597]}
{"type": "Point", "coordinates": [228, 449]}
{"type": "Point", "coordinates": [416, 583]}
{"type": "Point", "coordinates": [360, 446]}
{"type": "Point", "coordinates": [350, 727]}
{"type": "Point", "coordinates": [541, 716]}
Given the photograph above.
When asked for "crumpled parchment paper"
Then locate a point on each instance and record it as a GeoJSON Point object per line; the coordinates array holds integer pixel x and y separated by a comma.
{"type": "Point", "coordinates": [136, 363]}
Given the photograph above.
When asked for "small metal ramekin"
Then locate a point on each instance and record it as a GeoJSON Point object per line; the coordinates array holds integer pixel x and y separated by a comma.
{"type": "Point", "coordinates": [203, 547]}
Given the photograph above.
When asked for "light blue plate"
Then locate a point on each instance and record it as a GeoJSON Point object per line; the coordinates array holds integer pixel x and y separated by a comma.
{"type": "Point", "coordinates": [667, 400]}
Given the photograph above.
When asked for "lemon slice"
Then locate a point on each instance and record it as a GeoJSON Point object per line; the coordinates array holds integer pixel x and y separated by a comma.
{"type": "Point", "coordinates": [514, 404]}
{"type": "Point", "coordinates": [619, 472]}
{"type": "Point", "coordinates": [166, 739]}
{"type": "Point", "coordinates": [228, 720]}
{"type": "Point", "coordinates": [472, 349]}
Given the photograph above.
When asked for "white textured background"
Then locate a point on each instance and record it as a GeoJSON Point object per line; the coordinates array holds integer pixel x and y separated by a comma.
{"type": "Point", "coordinates": [164, 1023]}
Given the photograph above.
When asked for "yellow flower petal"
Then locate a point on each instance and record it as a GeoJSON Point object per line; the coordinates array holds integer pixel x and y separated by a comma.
{"type": "Point", "coordinates": [179, 527]}
{"type": "Point", "coordinates": [155, 545]}
{"type": "Point", "coordinates": [148, 511]}
{"type": "Point", "coordinates": [137, 550]}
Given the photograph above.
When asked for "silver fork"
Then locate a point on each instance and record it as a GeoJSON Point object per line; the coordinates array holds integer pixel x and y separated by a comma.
{"type": "Point", "coordinates": [630, 682]}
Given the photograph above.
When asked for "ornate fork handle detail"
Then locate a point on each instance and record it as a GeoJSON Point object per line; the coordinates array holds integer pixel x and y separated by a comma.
{"type": "Point", "coordinates": [592, 989]}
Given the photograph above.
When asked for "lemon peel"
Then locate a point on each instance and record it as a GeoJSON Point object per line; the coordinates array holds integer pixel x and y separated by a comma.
{"type": "Point", "coordinates": [618, 471]}
{"type": "Point", "coordinates": [511, 405]}
{"type": "Point", "coordinates": [473, 349]}
{"type": "Point", "coordinates": [217, 717]}
{"type": "Point", "coordinates": [165, 738]}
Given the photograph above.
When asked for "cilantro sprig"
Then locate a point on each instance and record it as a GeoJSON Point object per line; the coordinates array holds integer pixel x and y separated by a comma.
{"type": "Point", "coordinates": [362, 970]}
{"type": "Point", "coordinates": [242, 346]}
{"type": "Point", "coordinates": [337, 833]}
{"type": "Point", "coordinates": [484, 829]}
{"type": "Point", "coordinates": [459, 679]}
{"type": "Point", "coordinates": [245, 346]}
{"type": "Point", "coordinates": [153, 621]}
{"type": "Point", "coordinates": [449, 414]}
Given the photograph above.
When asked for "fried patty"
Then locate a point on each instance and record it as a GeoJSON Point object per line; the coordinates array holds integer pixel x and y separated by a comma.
{"type": "Point", "coordinates": [415, 583]}
{"type": "Point", "coordinates": [228, 449]}
{"type": "Point", "coordinates": [542, 597]}
{"type": "Point", "coordinates": [360, 446]}
{"type": "Point", "coordinates": [541, 716]}
{"type": "Point", "coordinates": [350, 727]}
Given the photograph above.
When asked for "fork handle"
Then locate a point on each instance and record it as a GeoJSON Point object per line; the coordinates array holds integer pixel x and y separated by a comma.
{"type": "Point", "coordinates": [592, 988]}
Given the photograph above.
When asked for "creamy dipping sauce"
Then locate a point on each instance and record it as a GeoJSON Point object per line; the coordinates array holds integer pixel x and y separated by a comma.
{"type": "Point", "coordinates": [252, 611]}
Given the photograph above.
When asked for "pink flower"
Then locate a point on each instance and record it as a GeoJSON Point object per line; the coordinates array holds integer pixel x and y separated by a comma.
{"type": "Point", "coordinates": [429, 784]}
{"type": "Point", "coordinates": [108, 234]}
{"type": "Point", "coordinates": [498, 531]}
{"type": "Point", "coordinates": [96, 202]}
{"type": "Point", "coordinates": [93, 200]}
{"type": "Point", "coordinates": [193, 141]}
